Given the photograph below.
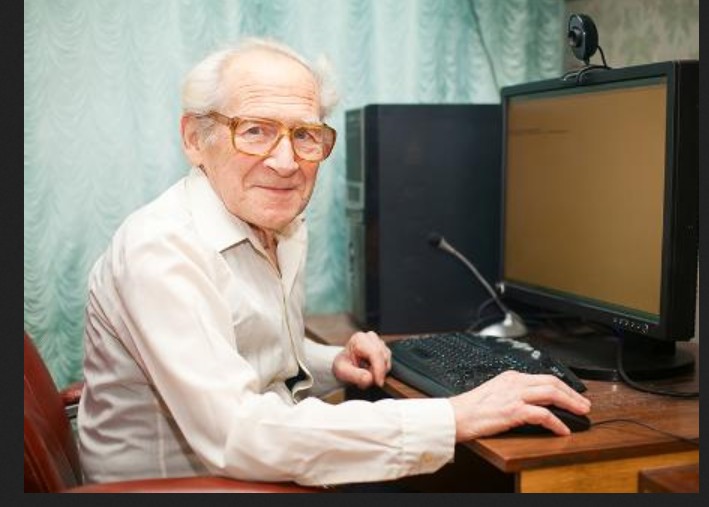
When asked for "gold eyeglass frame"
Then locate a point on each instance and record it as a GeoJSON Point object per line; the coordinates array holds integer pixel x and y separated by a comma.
{"type": "Point", "coordinates": [233, 123]}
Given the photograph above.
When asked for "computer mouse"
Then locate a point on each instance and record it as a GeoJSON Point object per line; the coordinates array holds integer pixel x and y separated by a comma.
{"type": "Point", "coordinates": [574, 422]}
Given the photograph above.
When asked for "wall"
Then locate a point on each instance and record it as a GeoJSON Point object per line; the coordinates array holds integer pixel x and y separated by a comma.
{"type": "Point", "coordinates": [633, 32]}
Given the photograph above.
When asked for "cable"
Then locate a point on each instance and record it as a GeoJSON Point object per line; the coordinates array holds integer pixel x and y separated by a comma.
{"type": "Point", "coordinates": [478, 318]}
{"type": "Point", "coordinates": [484, 305]}
{"type": "Point", "coordinates": [476, 22]}
{"type": "Point", "coordinates": [539, 318]}
{"type": "Point", "coordinates": [603, 57]}
{"type": "Point", "coordinates": [639, 387]}
{"type": "Point", "coordinates": [648, 426]}
{"type": "Point", "coordinates": [617, 334]}
{"type": "Point", "coordinates": [579, 73]}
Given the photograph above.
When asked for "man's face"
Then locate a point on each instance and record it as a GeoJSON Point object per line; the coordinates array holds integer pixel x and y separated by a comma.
{"type": "Point", "coordinates": [265, 191]}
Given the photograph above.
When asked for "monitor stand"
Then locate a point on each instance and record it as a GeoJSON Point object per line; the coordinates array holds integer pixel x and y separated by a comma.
{"type": "Point", "coordinates": [593, 357]}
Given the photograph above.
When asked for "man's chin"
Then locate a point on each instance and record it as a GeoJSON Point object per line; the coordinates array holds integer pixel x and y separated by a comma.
{"type": "Point", "coordinates": [274, 223]}
{"type": "Point", "coordinates": [273, 214]}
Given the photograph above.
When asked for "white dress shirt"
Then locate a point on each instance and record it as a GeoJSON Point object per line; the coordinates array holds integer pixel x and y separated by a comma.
{"type": "Point", "coordinates": [190, 336]}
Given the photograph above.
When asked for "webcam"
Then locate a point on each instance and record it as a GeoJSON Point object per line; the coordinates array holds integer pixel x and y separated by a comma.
{"type": "Point", "coordinates": [583, 41]}
{"type": "Point", "coordinates": [582, 36]}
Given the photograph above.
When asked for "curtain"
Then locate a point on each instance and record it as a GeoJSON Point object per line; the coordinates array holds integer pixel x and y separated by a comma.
{"type": "Point", "coordinates": [101, 114]}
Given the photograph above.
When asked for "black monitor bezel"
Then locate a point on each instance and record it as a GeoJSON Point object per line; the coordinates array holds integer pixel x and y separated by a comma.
{"type": "Point", "coordinates": [680, 234]}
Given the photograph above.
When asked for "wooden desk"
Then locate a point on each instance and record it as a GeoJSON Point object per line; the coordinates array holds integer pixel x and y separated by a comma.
{"type": "Point", "coordinates": [675, 479]}
{"type": "Point", "coordinates": [607, 458]}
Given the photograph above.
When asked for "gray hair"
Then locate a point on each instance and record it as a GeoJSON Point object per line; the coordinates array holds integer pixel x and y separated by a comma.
{"type": "Point", "coordinates": [202, 90]}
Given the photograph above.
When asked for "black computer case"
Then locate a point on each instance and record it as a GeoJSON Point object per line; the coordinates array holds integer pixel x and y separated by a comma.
{"type": "Point", "coordinates": [413, 170]}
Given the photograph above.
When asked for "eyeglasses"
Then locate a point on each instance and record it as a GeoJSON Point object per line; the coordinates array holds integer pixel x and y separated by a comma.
{"type": "Point", "coordinates": [258, 136]}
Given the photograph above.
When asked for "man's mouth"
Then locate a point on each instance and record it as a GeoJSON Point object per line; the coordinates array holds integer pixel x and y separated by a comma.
{"type": "Point", "coordinates": [277, 189]}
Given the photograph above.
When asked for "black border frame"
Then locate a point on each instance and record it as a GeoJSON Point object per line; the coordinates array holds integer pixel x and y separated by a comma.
{"type": "Point", "coordinates": [680, 227]}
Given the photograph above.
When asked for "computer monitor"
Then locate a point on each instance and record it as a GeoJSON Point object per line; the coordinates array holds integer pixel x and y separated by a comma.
{"type": "Point", "coordinates": [599, 212]}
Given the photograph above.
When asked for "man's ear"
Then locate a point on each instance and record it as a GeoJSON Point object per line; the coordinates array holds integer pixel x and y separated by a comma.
{"type": "Point", "coordinates": [191, 141]}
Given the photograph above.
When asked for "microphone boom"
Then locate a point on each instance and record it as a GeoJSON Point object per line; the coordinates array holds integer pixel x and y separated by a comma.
{"type": "Point", "coordinates": [512, 325]}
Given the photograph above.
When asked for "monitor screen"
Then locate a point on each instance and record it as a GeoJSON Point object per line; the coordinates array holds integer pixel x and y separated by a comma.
{"type": "Point", "coordinates": [600, 198]}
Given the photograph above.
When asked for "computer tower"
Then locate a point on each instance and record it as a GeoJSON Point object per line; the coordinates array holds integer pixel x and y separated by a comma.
{"type": "Point", "coordinates": [414, 170]}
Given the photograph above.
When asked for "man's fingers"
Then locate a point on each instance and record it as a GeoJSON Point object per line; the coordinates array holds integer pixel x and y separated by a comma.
{"type": "Point", "coordinates": [546, 379]}
{"type": "Point", "coordinates": [353, 374]}
{"type": "Point", "coordinates": [543, 417]}
{"type": "Point", "coordinates": [364, 379]}
{"type": "Point", "coordinates": [370, 352]}
{"type": "Point", "coordinates": [377, 368]}
{"type": "Point", "coordinates": [549, 390]}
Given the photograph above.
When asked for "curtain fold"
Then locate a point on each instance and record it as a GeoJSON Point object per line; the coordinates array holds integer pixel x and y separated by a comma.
{"type": "Point", "coordinates": [101, 111]}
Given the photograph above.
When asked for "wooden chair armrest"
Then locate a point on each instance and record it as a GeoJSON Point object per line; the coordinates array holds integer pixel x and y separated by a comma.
{"type": "Point", "coordinates": [70, 397]}
{"type": "Point", "coordinates": [71, 394]}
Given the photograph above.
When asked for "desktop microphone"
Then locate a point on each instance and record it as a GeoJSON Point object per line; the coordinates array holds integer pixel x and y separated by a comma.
{"type": "Point", "coordinates": [512, 326]}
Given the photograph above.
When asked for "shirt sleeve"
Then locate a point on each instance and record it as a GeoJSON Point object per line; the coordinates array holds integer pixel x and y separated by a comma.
{"type": "Point", "coordinates": [180, 330]}
{"type": "Point", "coordinates": [319, 358]}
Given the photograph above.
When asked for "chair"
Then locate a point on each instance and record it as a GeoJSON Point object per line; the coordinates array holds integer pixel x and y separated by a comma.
{"type": "Point", "coordinates": [52, 460]}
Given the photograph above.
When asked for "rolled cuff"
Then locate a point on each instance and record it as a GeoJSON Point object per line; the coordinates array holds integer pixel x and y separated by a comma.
{"type": "Point", "coordinates": [319, 359]}
{"type": "Point", "coordinates": [428, 434]}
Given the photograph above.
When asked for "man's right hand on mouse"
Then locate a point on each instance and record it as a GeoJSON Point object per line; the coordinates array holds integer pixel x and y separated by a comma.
{"type": "Point", "coordinates": [512, 399]}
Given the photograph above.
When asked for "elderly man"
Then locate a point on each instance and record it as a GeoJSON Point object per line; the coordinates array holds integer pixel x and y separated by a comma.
{"type": "Point", "coordinates": [195, 358]}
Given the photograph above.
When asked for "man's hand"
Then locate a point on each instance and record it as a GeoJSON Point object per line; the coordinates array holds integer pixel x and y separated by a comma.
{"type": "Point", "coordinates": [512, 399]}
{"type": "Point", "coordinates": [365, 360]}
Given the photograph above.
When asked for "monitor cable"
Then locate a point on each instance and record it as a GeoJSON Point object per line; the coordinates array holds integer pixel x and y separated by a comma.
{"type": "Point", "coordinates": [640, 387]}
{"type": "Point", "coordinates": [616, 334]}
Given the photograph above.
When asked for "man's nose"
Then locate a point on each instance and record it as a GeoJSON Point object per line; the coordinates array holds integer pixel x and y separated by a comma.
{"type": "Point", "coordinates": [282, 157]}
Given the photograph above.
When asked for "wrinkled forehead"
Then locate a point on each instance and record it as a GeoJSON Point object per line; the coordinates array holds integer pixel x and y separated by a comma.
{"type": "Point", "coordinates": [272, 85]}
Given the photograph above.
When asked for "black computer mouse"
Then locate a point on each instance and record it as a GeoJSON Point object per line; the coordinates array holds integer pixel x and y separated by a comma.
{"type": "Point", "coordinates": [573, 421]}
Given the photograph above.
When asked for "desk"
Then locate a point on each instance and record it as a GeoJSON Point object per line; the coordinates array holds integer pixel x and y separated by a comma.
{"type": "Point", "coordinates": [674, 479]}
{"type": "Point", "coordinates": [607, 458]}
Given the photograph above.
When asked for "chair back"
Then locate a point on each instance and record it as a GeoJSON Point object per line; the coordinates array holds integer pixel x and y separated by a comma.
{"type": "Point", "coordinates": [51, 456]}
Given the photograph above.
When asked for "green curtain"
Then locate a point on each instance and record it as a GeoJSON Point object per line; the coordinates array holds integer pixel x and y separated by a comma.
{"type": "Point", "coordinates": [101, 111]}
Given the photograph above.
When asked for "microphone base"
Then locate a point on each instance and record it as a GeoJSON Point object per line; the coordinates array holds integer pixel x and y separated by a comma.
{"type": "Point", "coordinates": [512, 326]}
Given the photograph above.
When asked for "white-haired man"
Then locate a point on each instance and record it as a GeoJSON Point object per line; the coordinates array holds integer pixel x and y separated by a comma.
{"type": "Point", "coordinates": [195, 356]}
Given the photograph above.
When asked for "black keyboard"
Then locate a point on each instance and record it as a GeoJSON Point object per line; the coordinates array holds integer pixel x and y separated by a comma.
{"type": "Point", "coordinates": [446, 364]}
